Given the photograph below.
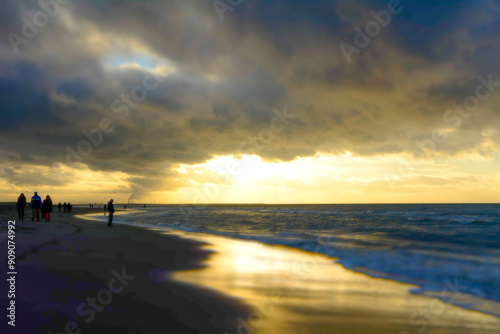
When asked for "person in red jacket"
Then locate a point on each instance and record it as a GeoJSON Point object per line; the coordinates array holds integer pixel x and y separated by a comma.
{"type": "Point", "coordinates": [47, 208]}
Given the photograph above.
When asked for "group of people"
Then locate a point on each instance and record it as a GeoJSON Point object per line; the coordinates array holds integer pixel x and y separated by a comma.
{"type": "Point", "coordinates": [67, 207]}
{"type": "Point", "coordinates": [36, 205]}
{"type": "Point", "coordinates": [45, 207]}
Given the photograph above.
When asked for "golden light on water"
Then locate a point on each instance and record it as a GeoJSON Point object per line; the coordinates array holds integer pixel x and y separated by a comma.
{"type": "Point", "coordinates": [294, 291]}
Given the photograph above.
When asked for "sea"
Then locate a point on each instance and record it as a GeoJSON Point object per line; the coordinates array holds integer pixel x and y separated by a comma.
{"type": "Point", "coordinates": [436, 247]}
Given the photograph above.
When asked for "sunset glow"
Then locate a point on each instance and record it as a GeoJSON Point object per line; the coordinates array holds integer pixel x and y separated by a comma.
{"type": "Point", "coordinates": [198, 99]}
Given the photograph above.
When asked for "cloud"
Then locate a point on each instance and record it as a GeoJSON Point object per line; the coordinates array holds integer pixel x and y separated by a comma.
{"type": "Point", "coordinates": [221, 82]}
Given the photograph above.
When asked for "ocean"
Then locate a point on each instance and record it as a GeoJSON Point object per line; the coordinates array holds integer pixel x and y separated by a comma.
{"type": "Point", "coordinates": [434, 246]}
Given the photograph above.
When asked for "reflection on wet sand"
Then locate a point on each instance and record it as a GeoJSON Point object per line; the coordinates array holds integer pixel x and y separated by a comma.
{"type": "Point", "coordinates": [294, 291]}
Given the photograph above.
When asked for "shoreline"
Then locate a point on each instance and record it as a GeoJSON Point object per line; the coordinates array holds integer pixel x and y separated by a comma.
{"type": "Point", "coordinates": [238, 286]}
{"type": "Point", "coordinates": [463, 300]}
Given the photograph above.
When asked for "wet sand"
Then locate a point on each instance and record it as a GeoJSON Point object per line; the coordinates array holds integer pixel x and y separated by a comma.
{"type": "Point", "coordinates": [293, 291]}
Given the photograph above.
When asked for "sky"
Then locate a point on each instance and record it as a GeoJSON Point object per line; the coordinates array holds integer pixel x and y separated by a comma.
{"type": "Point", "coordinates": [247, 101]}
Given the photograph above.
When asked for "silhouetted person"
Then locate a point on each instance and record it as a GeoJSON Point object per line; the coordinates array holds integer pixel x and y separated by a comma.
{"type": "Point", "coordinates": [69, 207]}
{"type": "Point", "coordinates": [65, 206]}
{"type": "Point", "coordinates": [111, 211]}
{"type": "Point", "coordinates": [59, 206]}
{"type": "Point", "coordinates": [104, 209]}
{"type": "Point", "coordinates": [36, 204]}
{"type": "Point", "coordinates": [21, 204]}
{"type": "Point", "coordinates": [47, 208]}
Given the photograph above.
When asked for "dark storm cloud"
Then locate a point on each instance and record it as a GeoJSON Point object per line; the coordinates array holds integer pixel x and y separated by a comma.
{"type": "Point", "coordinates": [229, 76]}
{"type": "Point", "coordinates": [76, 88]}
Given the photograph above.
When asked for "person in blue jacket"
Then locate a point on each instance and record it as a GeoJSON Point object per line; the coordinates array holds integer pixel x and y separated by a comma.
{"type": "Point", "coordinates": [36, 204]}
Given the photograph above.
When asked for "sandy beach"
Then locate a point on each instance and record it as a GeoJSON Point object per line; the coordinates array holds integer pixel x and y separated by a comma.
{"type": "Point", "coordinates": [80, 276]}
{"type": "Point", "coordinates": [62, 263]}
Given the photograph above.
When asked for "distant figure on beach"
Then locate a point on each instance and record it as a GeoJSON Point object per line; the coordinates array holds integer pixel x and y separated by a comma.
{"type": "Point", "coordinates": [111, 211]}
{"type": "Point", "coordinates": [104, 209]}
{"type": "Point", "coordinates": [69, 207]}
{"type": "Point", "coordinates": [21, 204]}
{"type": "Point", "coordinates": [65, 206]}
{"type": "Point", "coordinates": [47, 208]}
{"type": "Point", "coordinates": [36, 204]}
{"type": "Point", "coordinates": [59, 206]}
{"type": "Point", "coordinates": [144, 206]}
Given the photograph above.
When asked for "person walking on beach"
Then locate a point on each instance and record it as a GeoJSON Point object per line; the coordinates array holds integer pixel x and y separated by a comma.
{"type": "Point", "coordinates": [36, 204]}
{"type": "Point", "coordinates": [47, 208]}
{"type": "Point", "coordinates": [21, 204]}
{"type": "Point", "coordinates": [65, 206]}
{"type": "Point", "coordinates": [104, 209]}
{"type": "Point", "coordinates": [69, 207]}
{"type": "Point", "coordinates": [111, 211]}
{"type": "Point", "coordinates": [59, 206]}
